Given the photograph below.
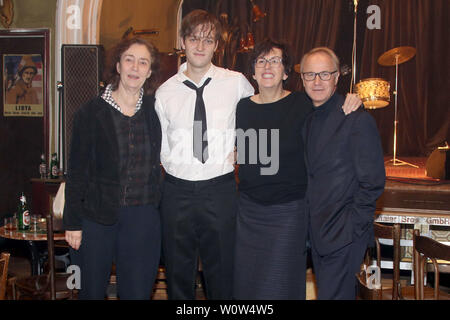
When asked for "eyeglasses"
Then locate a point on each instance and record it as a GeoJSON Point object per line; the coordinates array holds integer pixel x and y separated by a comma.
{"type": "Point", "coordinates": [274, 62]}
{"type": "Point", "coordinates": [324, 75]}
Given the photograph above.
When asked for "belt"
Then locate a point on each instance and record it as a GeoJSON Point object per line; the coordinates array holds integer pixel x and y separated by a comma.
{"type": "Point", "coordinates": [178, 181]}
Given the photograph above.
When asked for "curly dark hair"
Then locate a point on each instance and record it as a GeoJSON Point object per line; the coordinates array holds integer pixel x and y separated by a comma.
{"type": "Point", "coordinates": [111, 75]}
{"type": "Point", "coordinates": [264, 47]}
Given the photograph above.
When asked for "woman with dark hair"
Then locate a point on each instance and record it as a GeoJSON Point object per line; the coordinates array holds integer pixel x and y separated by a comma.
{"type": "Point", "coordinates": [113, 185]}
{"type": "Point", "coordinates": [270, 261]}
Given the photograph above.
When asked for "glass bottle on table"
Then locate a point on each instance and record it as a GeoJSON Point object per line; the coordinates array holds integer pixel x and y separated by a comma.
{"type": "Point", "coordinates": [54, 167]}
{"type": "Point", "coordinates": [43, 167]}
{"type": "Point", "coordinates": [23, 214]}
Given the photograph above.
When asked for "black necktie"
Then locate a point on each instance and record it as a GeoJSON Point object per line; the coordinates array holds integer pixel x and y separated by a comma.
{"type": "Point", "coordinates": [199, 133]}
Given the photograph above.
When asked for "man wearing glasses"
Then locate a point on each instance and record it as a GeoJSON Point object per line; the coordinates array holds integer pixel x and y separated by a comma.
{"type": "Point", "coordinates": [346, 175]}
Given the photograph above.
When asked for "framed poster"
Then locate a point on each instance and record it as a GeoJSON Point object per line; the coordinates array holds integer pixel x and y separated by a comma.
{"type": "Point", "coordinates": [22, 85]}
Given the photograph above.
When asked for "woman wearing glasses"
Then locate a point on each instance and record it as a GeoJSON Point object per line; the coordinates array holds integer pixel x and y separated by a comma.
{"type": "Point", "coordinates": [270, 261]}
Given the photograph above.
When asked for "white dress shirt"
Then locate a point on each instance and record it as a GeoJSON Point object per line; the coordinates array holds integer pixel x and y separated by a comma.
{"type": "Point", "coordinates": [175, 105]}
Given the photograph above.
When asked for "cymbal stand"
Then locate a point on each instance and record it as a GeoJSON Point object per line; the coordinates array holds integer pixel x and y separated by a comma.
{"type": "Point", "coordinates": [353, 81]}
{"type": "Point", "coordinates": [395, 161]}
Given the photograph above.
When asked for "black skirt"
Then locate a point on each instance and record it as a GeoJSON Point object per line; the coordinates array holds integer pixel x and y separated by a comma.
{"type": "Point", "coordinates": [270, 261]}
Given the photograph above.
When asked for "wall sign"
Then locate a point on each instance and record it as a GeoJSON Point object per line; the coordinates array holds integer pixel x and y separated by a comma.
{"type": "Point", "coordinates": [22, 85]}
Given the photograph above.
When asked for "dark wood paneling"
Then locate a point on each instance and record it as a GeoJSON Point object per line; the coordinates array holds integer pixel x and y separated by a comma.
{"type": "Point", "coordinates": [22, 139]}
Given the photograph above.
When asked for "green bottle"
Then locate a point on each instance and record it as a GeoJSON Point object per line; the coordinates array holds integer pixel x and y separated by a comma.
{"type": "Point", "coordinates": [23, 214]}
{"type": "Point", "coordinates": [54, 167]}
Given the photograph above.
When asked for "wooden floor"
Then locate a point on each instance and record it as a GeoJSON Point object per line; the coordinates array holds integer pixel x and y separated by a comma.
{"type": "Point", "coordinates": [160, 292]}
{"type": "Point", "coordinates": [20, 266]}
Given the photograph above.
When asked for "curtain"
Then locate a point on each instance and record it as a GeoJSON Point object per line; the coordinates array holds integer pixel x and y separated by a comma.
{"type": "Point", "coordinates": [302, 24]}
{"type": "Point", "coordinates": [423, 82]}
{"type": "Point", "coordinates": [423, 111]}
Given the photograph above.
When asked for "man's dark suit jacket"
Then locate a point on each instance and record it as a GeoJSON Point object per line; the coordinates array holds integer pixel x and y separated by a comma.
{"type": "Point", "coordinates": [93, 183]}
{"type": "Point", "coordinates": [345, 176]}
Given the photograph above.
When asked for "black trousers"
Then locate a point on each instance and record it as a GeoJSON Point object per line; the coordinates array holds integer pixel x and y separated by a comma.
{"type": "Point", "coordinates": [335, 272]}
{"type": "Point", "coordinates": [199, 220]}
{"type": "Point", "coordinates": [134, 243]}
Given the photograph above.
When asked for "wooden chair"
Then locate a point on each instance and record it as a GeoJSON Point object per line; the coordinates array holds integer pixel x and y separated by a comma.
{"type": "Point", "coordinates": [364, 292]}
{"type": "Point", "coordinates": [426, 249]}
{"type": "Point", "coordinates": [382, 231]}
{"type": "Point", "coordinates": [4, 262]}
{"type": "Point", "coordinates": [49, 286]}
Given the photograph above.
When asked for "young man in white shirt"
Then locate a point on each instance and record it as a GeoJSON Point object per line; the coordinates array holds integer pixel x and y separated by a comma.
{"type": "Point", "coordinates": [196, 108]}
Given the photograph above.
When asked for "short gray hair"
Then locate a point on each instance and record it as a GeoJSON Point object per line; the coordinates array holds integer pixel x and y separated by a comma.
{"type": "Point", "coordinates": [324, 50]}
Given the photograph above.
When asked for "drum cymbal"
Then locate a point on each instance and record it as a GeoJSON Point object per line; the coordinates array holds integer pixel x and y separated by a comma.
{"type": "Point", "coordinates": [403, 53]}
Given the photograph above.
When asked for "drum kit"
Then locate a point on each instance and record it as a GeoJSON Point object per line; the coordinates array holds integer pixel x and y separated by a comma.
{"type": "Point", "coordinates": [374, 92]}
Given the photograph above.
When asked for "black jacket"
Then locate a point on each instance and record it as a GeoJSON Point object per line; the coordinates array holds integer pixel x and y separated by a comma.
{"type": "Point", "coordinates": [346, 175]}
{"type": "Point", "coordinates": [93, 182]}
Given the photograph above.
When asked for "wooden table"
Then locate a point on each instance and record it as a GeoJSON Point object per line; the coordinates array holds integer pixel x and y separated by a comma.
{"type": "Point", "coordinates": [31, 237]}
{"type": "Point", "coordinates": [417, 203]}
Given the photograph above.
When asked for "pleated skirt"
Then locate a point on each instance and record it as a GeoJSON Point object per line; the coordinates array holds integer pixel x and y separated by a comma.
{"type": "Point", "coordinates": [270, 260]}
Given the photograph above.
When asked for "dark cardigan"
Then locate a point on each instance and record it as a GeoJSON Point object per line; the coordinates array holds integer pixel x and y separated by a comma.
{"type": "Point", "coordinates": [93, 182]}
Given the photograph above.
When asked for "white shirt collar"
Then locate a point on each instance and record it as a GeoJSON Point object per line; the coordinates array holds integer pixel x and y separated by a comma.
{"type": "Point", "coordinates": [181, 76]}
